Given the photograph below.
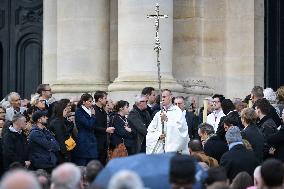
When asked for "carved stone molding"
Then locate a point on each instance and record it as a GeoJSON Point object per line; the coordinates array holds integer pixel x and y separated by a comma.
{"type": "Point", "coordinates": [30, 15]}
{"type": "Point", "coordinates": [196, 86]}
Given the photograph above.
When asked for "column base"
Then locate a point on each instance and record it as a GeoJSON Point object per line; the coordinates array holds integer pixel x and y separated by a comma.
{"type": "Point", "coordinates": [137, 83]}
{"type": "Point", "coordinates": [196, 87]}
{"type": "Point", "coordinates": [78, 88]}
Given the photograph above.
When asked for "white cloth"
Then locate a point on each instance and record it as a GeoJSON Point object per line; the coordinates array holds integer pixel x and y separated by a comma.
{"type": "Point", "coordinates": [10, 112]}
{"type": "Point", "coordinates": [87, 110]}
{"type": "Point", "coordinates": [214, 118]}
{"type": "Point", "coordinates": [176, 131]}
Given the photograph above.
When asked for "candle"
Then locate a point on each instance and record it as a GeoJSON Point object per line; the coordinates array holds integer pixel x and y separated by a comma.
{"type": "Point", "coordinates": [250, 104]}
{"type": "Point", "coordinates": [205, 105]}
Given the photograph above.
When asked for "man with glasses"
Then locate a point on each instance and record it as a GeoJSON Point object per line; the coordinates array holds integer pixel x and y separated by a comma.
{"type": "Point", "coordinates": [139, 118]}
{"type": "Point", "coordinates": [15, 102]}
{"type": "Point", "coordinates": [45, 93]}
{"type": "Point", "coordinates": [214, 118]}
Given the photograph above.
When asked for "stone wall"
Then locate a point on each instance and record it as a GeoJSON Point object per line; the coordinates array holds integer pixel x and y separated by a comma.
{"type": "Point", "coordinates": [221, 43]}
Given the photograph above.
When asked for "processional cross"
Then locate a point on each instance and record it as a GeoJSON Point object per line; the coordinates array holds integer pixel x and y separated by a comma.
{"type": "Point", "coordinates": [157, 48]}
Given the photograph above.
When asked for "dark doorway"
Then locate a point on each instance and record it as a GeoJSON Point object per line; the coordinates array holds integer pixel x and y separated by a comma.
{"type": "Point", "coordinates": [21, 37]}
{"type": "Point", "coordinates": [274, 43]}
{"type": "Point", "coordinates": [1, 70]}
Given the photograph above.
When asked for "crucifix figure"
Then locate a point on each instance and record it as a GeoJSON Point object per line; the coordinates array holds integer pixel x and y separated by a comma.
{"type": "Point", "coordinates": [158, 48]}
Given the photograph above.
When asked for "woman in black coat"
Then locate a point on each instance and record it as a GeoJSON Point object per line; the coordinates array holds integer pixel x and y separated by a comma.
{"type": "Point", "coordinates": [62, 127]}
{"type": "Point", "coordinates": [123, 132]}
{"type": "Point", "coordinates": [86, 148]}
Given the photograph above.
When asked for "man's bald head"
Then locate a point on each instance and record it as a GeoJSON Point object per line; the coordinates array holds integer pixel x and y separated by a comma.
{"type": "Point", "coordinates": [257, 177]}
{"type": "Point", "coordinates": [19, 179]}
{"type": "Point", "coordinates": [66, 175]}
{"type": "Point", "coordinates": [195, 145]}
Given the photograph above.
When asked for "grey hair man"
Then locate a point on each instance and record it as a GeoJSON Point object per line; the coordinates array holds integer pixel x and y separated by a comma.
{"type": "Point", "coordinates": [140, 119]}
{"type": "Point", "coordinates": [256, 93]}
{"type": "Point", "coordinates": [205, 131]}
{"type": "Point", "coordinates": [15, 143]}
{"type": "Point", "coordinates": [179, 101]}
{"type": "Point", "coordinates": [125, 180]}
{"type": "Point", "coordinates": [66, 176]}
{"type": "Point", "coordinates": [238, 158]}
{"type": "Point", "coordinates": [190, 117]}
{"type": "Point", "coordinates": [15, 103]}
{"type": "Point", "coordinates": [19, 179]}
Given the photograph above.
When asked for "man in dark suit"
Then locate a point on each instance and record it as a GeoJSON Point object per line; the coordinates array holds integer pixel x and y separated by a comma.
{"type": "Point", "coordinates": [251, 132]}
{"type": "Point", "coordinates": [277, 142]}
{"type": "Point", "coordinates": [238, 158]}
{"type": "Point", "coordinates": [139, 118]}
{"type": "Point", "coordinates": [150, 93]}
{"type": "Point", "coordinates": [214, 145]}
{"type": "Point", "coordinates": [257, 94]}
{"type": "Point", "coordinates": [15, 145]}
{"type": "Point", "coordinates": [101, 129]}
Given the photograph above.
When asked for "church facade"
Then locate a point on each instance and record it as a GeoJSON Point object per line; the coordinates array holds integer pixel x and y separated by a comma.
{"type": "Point", "coordinates": [208, 46]}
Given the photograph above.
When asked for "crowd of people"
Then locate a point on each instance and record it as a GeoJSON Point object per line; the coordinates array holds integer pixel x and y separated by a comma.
{"type": "Point", "coordinates": [65, 143]}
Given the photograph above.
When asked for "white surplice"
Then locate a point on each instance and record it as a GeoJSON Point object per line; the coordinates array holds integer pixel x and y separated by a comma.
{"type": "Point", "coordinates": [176, 131]}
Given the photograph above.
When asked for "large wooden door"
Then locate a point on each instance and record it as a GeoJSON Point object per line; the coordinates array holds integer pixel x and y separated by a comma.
{"type": "Point", "coordinates": [21, 42]}
{"type": "Point", "coordinates": [274, 43]}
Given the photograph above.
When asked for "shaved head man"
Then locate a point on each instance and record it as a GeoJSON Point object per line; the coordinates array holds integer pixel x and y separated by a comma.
{"type": "Point", "coordinates": [19, 179]}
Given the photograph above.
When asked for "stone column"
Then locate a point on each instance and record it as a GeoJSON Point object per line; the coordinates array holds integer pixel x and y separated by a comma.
{"type": "Point", "coordinates": [244, 55]}
{"type": "Point", "coordinates": [82, 46]}
{"type": "Point", "coordinates": [49, 41]}
{"type": "Point", "coordinates": [136, 36]}
{"type": "Point", "coordinates": [188, 46]}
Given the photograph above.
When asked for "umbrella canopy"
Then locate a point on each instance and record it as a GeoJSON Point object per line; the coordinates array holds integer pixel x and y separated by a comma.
{"type": "Point", "coordinates": [152, 169]}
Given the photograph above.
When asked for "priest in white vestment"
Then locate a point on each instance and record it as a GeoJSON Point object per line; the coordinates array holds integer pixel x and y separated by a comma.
{"type": "Point", "coordinates": [175, 135]}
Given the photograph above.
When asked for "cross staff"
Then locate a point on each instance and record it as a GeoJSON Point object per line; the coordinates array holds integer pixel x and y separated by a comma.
{"type": "Point", "coordinates": [158, 48]}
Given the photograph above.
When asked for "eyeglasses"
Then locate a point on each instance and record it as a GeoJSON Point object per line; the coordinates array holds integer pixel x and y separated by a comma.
{"type": "Point", "coordinates": [144, 101]}
{"type": "Point", "coordinates": [216, 101]}
{"type": "Point", "coordinates": [178, 103]}
{"type": "Point", "coordinates": [47, 90]}
{"type": "Point", "coordinates": [43, 101]}
{"type": "Point", "coordinates": [2, 112]}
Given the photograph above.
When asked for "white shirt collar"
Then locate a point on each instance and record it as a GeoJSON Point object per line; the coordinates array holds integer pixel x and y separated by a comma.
{"type": "Point", "coordinates": [87, 110]}
{"type": "Point", "coordinates": [12, 129]}
{"type": "Point", "coordinates": [231, 145]}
